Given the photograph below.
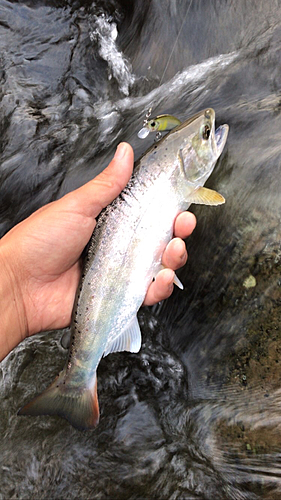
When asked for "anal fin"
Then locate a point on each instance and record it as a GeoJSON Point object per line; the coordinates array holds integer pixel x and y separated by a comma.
{"type": "Point", "coordinates": [128, 340]}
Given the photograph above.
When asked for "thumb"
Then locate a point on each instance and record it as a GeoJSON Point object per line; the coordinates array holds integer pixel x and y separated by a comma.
{"type": "Point", "coordinates": [98, 193]}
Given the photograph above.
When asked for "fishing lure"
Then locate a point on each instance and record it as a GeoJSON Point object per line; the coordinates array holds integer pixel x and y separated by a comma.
{"type": "Point", "coordinates": [160, 123]}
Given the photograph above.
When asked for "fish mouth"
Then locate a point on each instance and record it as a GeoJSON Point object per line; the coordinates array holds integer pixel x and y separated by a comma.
{"type": "Point", "coordinates": [221, 134]}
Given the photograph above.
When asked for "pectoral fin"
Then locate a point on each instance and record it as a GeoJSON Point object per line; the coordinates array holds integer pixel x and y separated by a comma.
{"type": "Point", "coordinates": [205, 196]}
{"type": "Point", "coordinates": [128, 340]}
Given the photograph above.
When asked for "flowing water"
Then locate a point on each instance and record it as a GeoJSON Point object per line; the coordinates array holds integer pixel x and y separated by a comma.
{"type": "Point", "coordinates": [196, 414]}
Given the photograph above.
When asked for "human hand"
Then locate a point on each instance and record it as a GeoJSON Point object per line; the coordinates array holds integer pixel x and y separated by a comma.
{"type": "Point", "coordinates": [40, 257]}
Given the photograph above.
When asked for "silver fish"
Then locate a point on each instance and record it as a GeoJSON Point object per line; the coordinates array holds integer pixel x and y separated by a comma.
{"type": "Point", "coordinates": [123, 257]}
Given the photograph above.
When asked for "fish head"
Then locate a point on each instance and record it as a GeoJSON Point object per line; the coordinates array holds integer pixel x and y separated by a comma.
{"type": "Point", "coordinates": [200, 145]}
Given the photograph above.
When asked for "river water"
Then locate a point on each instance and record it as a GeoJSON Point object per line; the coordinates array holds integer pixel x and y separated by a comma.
{"type": "Point", "coordinates": [196, 414]}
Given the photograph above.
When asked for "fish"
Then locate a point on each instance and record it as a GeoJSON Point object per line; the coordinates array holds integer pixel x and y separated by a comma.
{"type": "Point", "coordinates": [160, 123]}
{"type": "Point", "coordinates": [123, 257]}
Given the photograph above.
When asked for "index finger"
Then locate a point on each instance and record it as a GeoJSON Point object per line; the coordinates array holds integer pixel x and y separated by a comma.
{"type": "Point", "coordinates": [184, 224]}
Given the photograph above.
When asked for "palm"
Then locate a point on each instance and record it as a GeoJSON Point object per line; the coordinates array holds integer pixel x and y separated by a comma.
{"type": "Point", "coordinates": [51, 247]}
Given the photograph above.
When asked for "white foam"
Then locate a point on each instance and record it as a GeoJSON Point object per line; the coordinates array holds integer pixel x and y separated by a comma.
{"type": "Point", "coordinates": [195, 75]}
{"type": "Point", "coordinates": [105, 32]}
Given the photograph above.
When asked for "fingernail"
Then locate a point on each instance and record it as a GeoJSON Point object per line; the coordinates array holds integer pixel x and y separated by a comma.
{"type": "Point", "coordinates": [120, 151]}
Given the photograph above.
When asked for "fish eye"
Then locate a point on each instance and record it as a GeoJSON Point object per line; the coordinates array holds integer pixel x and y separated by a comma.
{"type": "Point", "coordinates": [152, 124]}
{"type": "Point", "coordinates": [206, 132]}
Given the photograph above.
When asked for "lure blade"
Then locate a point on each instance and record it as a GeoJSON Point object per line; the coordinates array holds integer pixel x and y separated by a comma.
{"type": "Point", "coordinates": [143, 133]}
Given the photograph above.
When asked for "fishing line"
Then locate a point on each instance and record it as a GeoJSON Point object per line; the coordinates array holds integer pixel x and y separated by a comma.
{"type": "Point", "coordinates": [148, 113]}
{"type": "Point", "coordinates": [176, 41]}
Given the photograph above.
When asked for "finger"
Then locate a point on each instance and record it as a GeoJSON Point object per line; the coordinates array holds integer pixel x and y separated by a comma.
{"type": "Point", "coordinates": [103, 189]}
{"type": "Point", "coordinates": [161, 288]}
{"type": "Point", "coordinates": [175, 254]}
{"type": "Point", "coordinates": [184, 224]}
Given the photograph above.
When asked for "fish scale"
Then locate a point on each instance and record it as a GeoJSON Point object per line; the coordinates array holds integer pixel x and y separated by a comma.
{"type": "Point", "coordinates": [124, 255]}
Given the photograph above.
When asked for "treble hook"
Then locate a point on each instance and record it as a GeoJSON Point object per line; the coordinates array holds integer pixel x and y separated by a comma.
{"type": "Point", "coordinates": [147, 116]}
{"type": "Point", "coordinates": [158, 137]}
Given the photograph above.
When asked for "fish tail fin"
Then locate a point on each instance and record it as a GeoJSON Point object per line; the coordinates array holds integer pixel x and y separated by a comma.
{"type": "Point", "coordinates": [79, 407]}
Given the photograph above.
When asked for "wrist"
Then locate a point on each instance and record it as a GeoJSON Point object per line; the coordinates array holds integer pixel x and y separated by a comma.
{"type": "Point", "coordinates": [13, 325]}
